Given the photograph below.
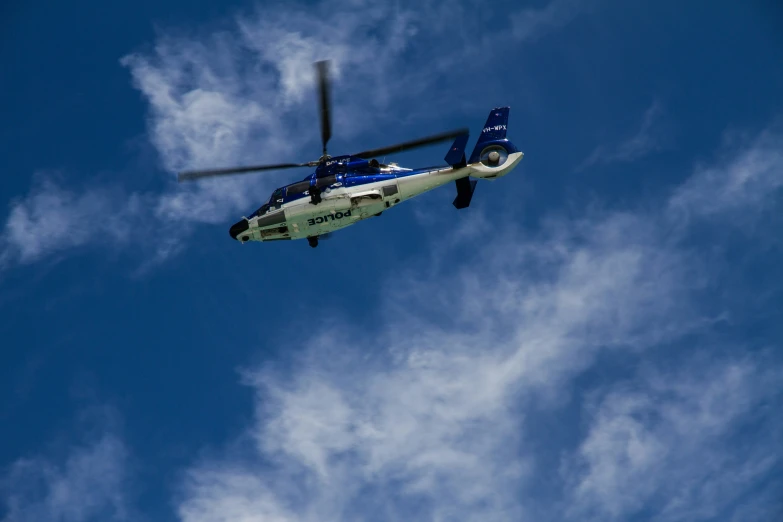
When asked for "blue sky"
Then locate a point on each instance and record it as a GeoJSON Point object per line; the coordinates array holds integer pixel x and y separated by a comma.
{"type": "Point", "coordinates": [598, 337]}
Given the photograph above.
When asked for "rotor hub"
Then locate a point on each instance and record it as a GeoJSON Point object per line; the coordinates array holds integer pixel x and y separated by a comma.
{"type": "Point", "coordinates": [493, 157]}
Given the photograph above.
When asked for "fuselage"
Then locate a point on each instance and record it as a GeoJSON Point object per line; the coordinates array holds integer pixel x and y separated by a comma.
{"type": "Point", "coordinates": [348, 197]}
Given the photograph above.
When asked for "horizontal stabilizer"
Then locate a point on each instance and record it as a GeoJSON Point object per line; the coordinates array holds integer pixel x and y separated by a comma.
{"type": "Point", "coordinates": [456, 154]}
{"type": "Point", "coordinates": [465, 189]}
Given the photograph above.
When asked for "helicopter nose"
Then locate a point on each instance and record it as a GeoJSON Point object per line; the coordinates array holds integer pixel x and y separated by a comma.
{"type": "Point", "coordinates": [238, 227]}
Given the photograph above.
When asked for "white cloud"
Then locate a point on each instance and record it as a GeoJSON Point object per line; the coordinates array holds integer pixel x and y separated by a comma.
{"type": "Point", "coordinates": [533, 23]}
{"type": "Point", "coordinates": [647, 139]}
{"type": "Point", "coordinates": [226, 495]}
{"type": "Point", "coordinates": [89, 485]}
{"type": "Point", "coordinates": [749, 176]}
{"type": "Point", "coordinates": [52, 218]}
{"type": "Point", "coordinates": [247, 94]}
{"type": "Point", "coordinates": [427, 416]}
{"type": "Point", "coordinates": [669, 440]}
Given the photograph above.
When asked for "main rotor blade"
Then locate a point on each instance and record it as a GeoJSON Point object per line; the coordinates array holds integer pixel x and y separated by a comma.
{"type": "Point", "coordinates": [324, 103]}
{"type": "Point", "coordinates": [413, 144]}
{"type": "Point", "coordinates": [198, 174]}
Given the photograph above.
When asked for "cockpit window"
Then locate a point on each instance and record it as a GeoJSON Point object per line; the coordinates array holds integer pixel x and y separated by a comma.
{"type": "Point", "coordinates": [263, 210]}
{"type": "Point", "coordinates": [274, 202]}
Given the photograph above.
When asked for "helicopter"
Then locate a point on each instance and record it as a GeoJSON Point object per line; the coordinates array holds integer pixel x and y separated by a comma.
{"type": "Point", "coordinates": [350, 188]}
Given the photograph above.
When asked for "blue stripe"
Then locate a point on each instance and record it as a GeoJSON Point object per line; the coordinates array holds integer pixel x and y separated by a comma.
{"type": "Point", "coordinates": [349, 179]}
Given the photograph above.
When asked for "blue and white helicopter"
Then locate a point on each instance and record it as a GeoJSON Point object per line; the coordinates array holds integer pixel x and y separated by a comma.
{"type": "Point", "coordinates": [344, 190]}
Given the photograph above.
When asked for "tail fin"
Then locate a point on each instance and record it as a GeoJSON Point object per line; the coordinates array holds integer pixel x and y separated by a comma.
{"type": "Point", "coordinates": [494, 130]}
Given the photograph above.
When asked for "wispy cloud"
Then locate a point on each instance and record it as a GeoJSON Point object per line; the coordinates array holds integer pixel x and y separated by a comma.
{"type": "Point", "coordinates": [749, 175]}
{"type": "Point", "coordinates": [533, 23]}
{"type": "Point", "coordinates": [247, 94]}
{"type": "Point", "coordinates": [88, 484]}
{"type": "Point", "coordinates": [670, 439]}
{"type": "Point", "coordinates": [647, 139]}
{"type": "Point", "coordinates": [437, 412]}
{"type": "Point", "coordinates": [52, 218]}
